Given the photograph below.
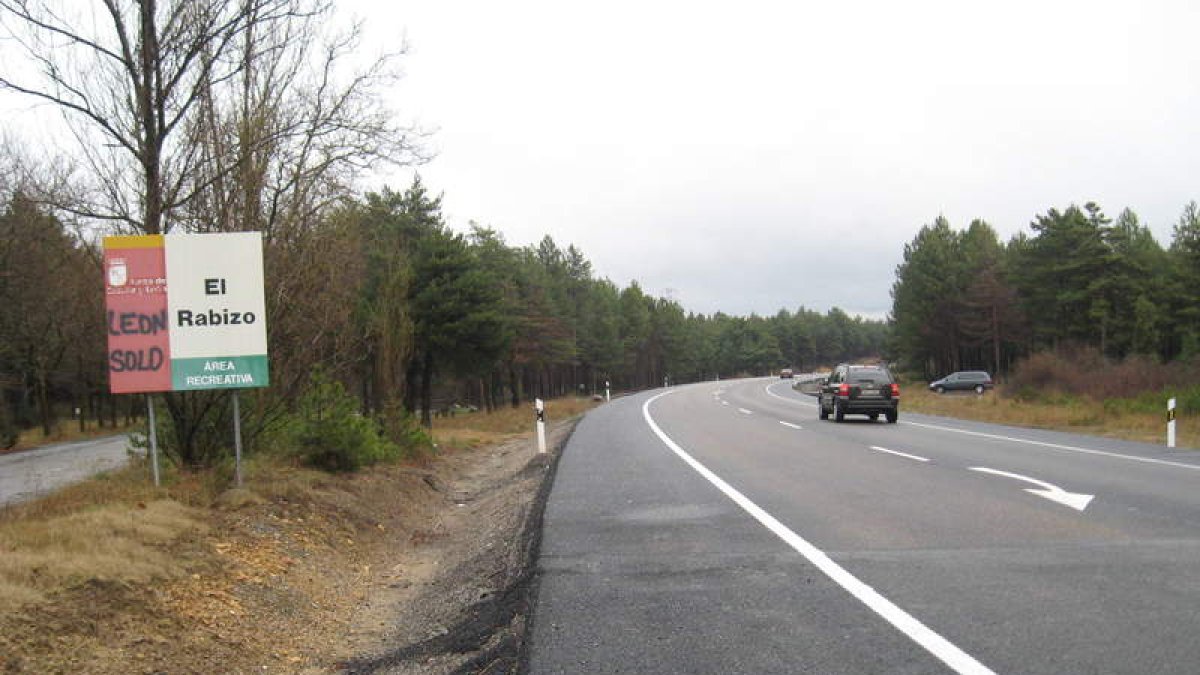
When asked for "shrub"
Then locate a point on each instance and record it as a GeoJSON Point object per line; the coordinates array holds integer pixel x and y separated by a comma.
{"type": "Point", "coordinates": [329, 433]}
{"type": "Point", "coordinates": [1135, 384]}
{"type": "Point", "coordinates": [404, 431]}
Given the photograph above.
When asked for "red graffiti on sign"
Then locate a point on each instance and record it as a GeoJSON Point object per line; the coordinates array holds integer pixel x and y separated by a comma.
{"type": "Point", "coordinates": [139, 349]}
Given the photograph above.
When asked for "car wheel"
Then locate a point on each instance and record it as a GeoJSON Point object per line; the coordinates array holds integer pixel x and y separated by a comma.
{"type": "Point", "coordinates": [838, 413]}
{"type": "Point", "coordinates": [822, 413]}
{"type": "Point", "coordinates": [940, 389]}
{"type": "Point", "coordinates": [979, 389]}
{"type": "Point", "coordinates": [892, 416]}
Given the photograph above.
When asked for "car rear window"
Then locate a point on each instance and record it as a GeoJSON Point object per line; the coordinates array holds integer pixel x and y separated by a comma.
{"type": "Point", "coordinates": [869, 376]}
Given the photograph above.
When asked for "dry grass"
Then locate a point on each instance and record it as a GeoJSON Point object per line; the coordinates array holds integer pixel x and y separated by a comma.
{"type": "Point", "coordinates": [114, 542]}
{"type": "Point", "coordinates": [469, 430]}
{"type": "Point", "coordinates": [65, 431]}
{"type": "Point", "coordinates": [1078, 414]}
{"type": "Point", "coordinates": [115, 527]}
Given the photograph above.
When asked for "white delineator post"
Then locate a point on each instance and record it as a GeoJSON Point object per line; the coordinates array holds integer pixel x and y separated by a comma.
{"type": "Point", "coordinates": [1171, 423]}
{"type": "Point", "coordinates": [541, 425]}
{"type": "Point", "coordinates": [607, 392]}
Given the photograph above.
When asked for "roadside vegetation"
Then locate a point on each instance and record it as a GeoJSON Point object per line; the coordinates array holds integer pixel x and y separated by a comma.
{"type": "Point", "coordinates": [1079, 282]}
{"type": "Point", "coordinates": [1082, 392]}
{"type": "Point", "coordinates": [90, 531]}
{"type": "Point", "coordinates": [114, 551]}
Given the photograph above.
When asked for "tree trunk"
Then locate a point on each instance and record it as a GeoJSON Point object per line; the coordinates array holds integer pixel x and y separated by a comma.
{"type": "Point", "coordinates": [427, 390]}
{"type": "Point", "coordinates": [514, 385]}
{"type": "Point", "coordinates": [43, 401]}
{"type": "Point", "coordinates": [151, 150]}
{"type": "Point", "coordinates": [411, 390]}
{"type": "Point", "coordinates": [995, 341]}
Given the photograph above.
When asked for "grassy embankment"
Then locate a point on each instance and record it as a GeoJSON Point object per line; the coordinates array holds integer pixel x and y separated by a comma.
{"type": "Point", "coordinates": [1141, 418]}
{"type": "Point", "coordinates": [474, 429]}
{"type": "Point", "coordinates": [118, 528]}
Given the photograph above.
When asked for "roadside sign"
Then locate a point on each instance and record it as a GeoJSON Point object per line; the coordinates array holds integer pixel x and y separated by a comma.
{"type": "Point", "coordinates": [185, 312]}
{"type": "Point", "coordinates": [139, 349]}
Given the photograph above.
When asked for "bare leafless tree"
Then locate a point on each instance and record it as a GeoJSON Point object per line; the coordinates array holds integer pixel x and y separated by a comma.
{"type": "Point", "coordinates": [216, 115]}
{"type": "Point", "coordinates": [144, 82]}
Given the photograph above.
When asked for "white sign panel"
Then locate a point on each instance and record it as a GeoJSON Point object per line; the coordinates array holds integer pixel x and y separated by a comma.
{"type": "Point", "coordinates": [216, 311]}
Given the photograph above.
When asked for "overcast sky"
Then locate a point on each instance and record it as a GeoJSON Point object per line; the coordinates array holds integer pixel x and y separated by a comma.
{"type": "Point", "coordinates": [752, 156]}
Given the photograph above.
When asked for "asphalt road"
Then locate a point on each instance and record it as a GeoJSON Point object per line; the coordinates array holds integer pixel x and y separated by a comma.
{"type": "Point", "coordinates": [721, 528]}
{"type": "Point", "coordinates": [24, 475]}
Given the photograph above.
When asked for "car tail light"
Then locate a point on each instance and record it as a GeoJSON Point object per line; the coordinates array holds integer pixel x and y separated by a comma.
{"type": "Point", "coordinates": [844, 389]}
{"type": "Point", "coordinates": [895, 390]}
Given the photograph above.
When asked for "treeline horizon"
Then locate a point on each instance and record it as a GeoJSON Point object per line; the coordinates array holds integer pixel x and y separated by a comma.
{"type": "Point", "coordinates": [1079, 279]}
{"type": "Point", "coordinates": [382, 296]}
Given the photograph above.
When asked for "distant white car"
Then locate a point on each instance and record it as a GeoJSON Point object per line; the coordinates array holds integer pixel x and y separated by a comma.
{"type": "Point", "coordinates": [785, 374]}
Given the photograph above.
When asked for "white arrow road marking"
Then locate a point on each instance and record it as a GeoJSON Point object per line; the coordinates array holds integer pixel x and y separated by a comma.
{"type": "Point", "coordinates": [789, 424]}
{"type": "Point", "coordinates": [744, 411]}
{"type": "Point", "coordinates": [899, 454]}
{"type": "Point", "coordinates": [1077, 501]}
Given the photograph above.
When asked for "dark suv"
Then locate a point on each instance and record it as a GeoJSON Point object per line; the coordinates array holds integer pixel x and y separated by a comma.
{"type": "Point", "coordinates": [963, 381]}
{"type": "Point", "coordinates": [859, 390]}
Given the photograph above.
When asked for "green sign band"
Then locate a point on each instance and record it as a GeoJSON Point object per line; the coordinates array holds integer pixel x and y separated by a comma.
{"type": "Point", "coordinates": [225, 372]}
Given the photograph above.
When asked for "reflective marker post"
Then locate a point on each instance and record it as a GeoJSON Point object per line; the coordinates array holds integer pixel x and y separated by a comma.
{"type": "Point", "coordinates": [541, 425]}
{"type": "Point", "coordinates": [607, 393]}
{"type": "Point", "coordinates": [1171, 423]}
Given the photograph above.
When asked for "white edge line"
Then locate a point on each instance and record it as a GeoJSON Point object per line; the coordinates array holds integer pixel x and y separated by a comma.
{"type": "Point", "coordinates": [900, 454]}
{"type": "Point", "coordinates": [918, 632]}
{"type": "Point", "coordinates": [789, 424]}
{"type": "Point", "coordinates": [784, 398]}
{"type": "Point", "coordinates": [1057, 446]}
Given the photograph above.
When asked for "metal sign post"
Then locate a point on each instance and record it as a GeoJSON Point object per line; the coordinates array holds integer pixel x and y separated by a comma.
{"type": "Point", "coordinates": [237, 438]}
{"type": "Point", "coordinates": [153, 437]}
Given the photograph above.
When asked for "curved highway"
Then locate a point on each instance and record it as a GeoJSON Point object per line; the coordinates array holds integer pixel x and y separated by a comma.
{"type": "Point", "coordinates": [721, 528]}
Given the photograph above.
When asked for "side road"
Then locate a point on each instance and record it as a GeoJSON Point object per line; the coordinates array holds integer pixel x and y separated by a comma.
{"type": "Point", "coordinates": [30, 473]}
